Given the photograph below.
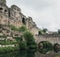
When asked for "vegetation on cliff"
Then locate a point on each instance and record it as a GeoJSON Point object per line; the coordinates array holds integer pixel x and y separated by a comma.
{"type": "Point", "coordinates": [8, 49]}
{"type": "Point", "coordinates": [22, 29]}
{"type": "Point", "coordinates": [26, 41]}
{"type": "Point", "coordinates": [13, 28]}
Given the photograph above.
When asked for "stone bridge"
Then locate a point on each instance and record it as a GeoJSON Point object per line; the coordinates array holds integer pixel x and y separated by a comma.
{"type": "Point", "coordinates": [51, 38]}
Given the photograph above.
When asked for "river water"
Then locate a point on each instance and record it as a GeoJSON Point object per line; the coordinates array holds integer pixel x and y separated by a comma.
{"type": "Point", "coordinates": [28, 54]}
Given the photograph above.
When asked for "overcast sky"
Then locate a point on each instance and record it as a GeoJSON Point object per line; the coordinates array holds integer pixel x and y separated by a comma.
{"type": "Point", "coordinates": [46, 13]}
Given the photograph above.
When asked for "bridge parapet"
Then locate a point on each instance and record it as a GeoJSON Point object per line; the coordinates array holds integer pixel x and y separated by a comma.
{"type": "Point", "coordinates": [51, 38]}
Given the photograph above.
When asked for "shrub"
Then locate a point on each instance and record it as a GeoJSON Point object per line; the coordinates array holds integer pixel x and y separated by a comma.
{"type": "Point", "coordinates": [18, 39]}
{"type": "Point", "coordinates": [45, 30]}
{"type": "Point", "coordinates": [4, 42]}
{"type": "Point", "coordinates": [22, 45]}
{"type": "Point", "coordinates": [22, 28]}
{"type": "Point", "coordinates": [30, 40]}
{"type": "Point", "coordinates": [13, 28]}
{"type": "Point", "coordinates": [8, 49]}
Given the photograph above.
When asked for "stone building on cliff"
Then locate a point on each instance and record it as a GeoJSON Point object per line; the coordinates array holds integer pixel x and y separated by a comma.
{"type": "Point", "coordinates": [14, 16]}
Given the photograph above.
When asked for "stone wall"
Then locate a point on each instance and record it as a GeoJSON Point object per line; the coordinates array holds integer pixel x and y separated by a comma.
{"type": "Point", "coordinates": [51, 38]}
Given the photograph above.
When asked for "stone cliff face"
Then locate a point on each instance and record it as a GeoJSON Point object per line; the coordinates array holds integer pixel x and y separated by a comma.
{"type": "Point", "coordinates": [14, 16]}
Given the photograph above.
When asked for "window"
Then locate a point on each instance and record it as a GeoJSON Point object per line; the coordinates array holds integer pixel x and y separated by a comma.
{"type": "Point", "coordinates": [1, 8]}
{"type": "Point", "coordinates": [23, 21]}
{"type": "Point", "coordinates": [5, 10]}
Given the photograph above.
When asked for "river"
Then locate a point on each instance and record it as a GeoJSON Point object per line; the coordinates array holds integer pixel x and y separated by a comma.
{"type": "Point", "coordinates": [28, 54]}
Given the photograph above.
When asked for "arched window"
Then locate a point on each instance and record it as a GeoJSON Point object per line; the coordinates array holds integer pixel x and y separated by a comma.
{"type": "Point", "coordinates": [1, 8]}
{"type": "Point", "coordinates": [23, 21]}
{"type": "Point", "coordinates": [5, 10]}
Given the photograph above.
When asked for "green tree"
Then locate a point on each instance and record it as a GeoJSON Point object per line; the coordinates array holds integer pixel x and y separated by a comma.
{"type": "Point", "coordinates": [58, 31]}
{"type": "Point", "coordinates": [44, 30]}
{"type": "Point", "coordinates": [30, 40]}
{"type": "Point", "coordinates": [23, 45]}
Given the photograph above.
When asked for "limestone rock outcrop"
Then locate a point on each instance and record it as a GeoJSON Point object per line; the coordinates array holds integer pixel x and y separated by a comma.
{"type": "Point", "coordinates": [14, 16]}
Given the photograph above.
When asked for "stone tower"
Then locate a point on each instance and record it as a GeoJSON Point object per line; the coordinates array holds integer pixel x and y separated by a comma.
{"type": "Point", "coordinates": [3, 12]}
{"type": "Point", "coordinates": [2, 1]}
{"type": "Point", "coordinates": [3, 7]}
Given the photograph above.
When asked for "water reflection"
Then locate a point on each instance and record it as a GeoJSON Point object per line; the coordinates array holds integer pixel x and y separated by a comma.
{"type": "Point", "coordinates": [29, 53]}
{"type": "Point", "coordinates": [21, 53]}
